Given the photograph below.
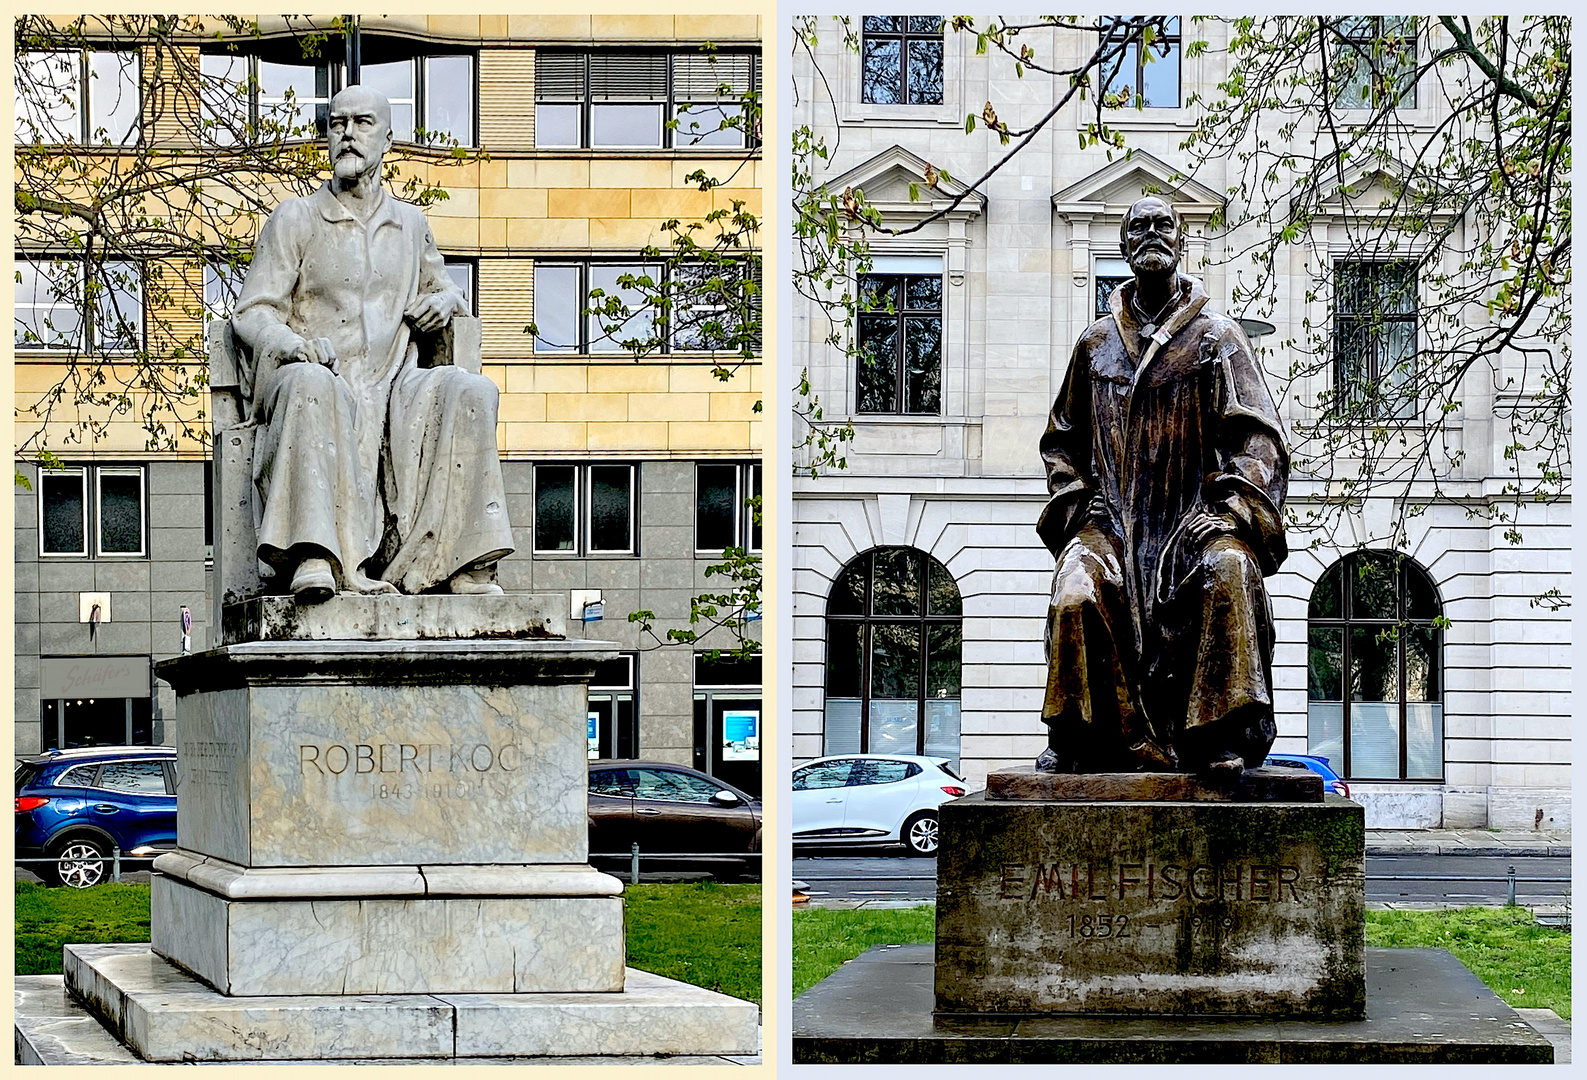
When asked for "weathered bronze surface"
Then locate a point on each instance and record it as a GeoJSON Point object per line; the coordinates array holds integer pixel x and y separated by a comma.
{"type": "Point", "coordinates": [1267, 784]}
{"type": "Point", "coordinates": [1166, 471]}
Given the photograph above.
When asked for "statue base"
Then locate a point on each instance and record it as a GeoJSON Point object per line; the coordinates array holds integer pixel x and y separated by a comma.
{"type": "Point", "coordinates": [1179, 908]}
{"type": "Point", "coordinates": [1266, 784]}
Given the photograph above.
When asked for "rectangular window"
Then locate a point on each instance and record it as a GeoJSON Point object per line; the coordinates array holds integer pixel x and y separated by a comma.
{"type": "Point", "coordinates": [1145, 77]}
{"type": "Point", "coordinates": [591, 307]}
{"type": "Point", "coordinates": [280, 94]}
{"type": "Point", "coordinates": [586, 509]}
{"type": "Point", "coordinates": [727, 507]}
{"type": "Point", "coordinates": [463, 273]}
{"type": "Point", "coordinates": [120, 501]}
{"type": "Point", "coordinates": [900, 342]}
{"type": "Point", "coordinates": [51, 305]}
{"type": "Point", "coordinates": [1375, 338]}
{"type": "Point", "coordinates": [901, 60]}
{"type": "Point", "coordinates": [63, 512]}
{"type": "Point", "coordinates": [90, 97]}
{"type": "Point", "coordinates": [613, 714]}
{"type": "Point", "coordinates": [1109, 274]}
{"type": "Point", "coordinates": [613, 99]}
{"type": "Point", "coordinates": [222, 283]}
{"type": "Point", "coordinates": [110, 498]}
{"type": "Point", "coordinates": [1375, 61]}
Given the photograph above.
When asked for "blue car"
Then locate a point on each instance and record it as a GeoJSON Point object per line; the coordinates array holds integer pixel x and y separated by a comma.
{"type": "Point", "coordinates": [1319, 765]}
{"type": "Point", "coordinates": [78, 806]}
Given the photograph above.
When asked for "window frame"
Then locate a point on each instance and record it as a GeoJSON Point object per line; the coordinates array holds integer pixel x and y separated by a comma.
{"type": "Point", "coordinates": [583, 508]}
{"type": "Point", "coordinates": [1359, 46]}
{"type": "Point", "coordinates": [903, 37]}
{"type": "Point", "coordinates": [867, 621]}
{"type": "Point", "coordinates": [336, 81]}
{"type": "Point", "coordinates": [1345, 622]}
{"type": "Point", "coordinates": [1373, 326]}
{"type": "Point", "coordinates": [663, 331]}
{"type": "Point", "coordinates": [903, 314]}
{"type": "Point", "coordinates": [86, 98]}
{"type": "Point", "coordinates": [81, 472]}
{"type": "Point", "coordinates": [746, 477]}
{"type": "Point", "coordinates": [89, 337]}
{"type": "Point", "coordinates": [100, 471]}
{"type": "Point", "coordinates": [1138, 82]}
{"type": "Point", "coordinates": [668, 104]}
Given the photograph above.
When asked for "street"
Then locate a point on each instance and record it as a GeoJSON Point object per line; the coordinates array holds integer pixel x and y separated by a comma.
{"type": "Point", "coordinates": [858, 877]}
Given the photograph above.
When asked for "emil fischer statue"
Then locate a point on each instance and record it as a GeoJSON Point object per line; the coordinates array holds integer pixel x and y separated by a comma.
{"type": "Point", "coordinates": [374, 474]}
{"type": "Point", "coordinates": [1166, 470]}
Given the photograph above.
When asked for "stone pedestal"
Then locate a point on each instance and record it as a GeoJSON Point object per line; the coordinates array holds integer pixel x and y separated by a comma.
{"type": "Point", "coordinates": [1179, 908]}
{"type": "Point", "coordinates": [383, 800]}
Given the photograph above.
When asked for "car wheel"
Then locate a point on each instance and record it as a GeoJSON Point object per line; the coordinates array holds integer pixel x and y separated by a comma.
{"type": "Point", "coordinates": [84, 863]}
{"type": "Point", "coordinates": [920, 834]}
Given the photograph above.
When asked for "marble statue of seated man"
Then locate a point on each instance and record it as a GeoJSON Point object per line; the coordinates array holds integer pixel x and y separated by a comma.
{"type": "Point", "coordinates": [374, 475]}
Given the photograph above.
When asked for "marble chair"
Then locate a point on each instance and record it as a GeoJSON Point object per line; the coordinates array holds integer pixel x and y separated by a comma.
{"type": "Point", "coordinates": [239, 575]}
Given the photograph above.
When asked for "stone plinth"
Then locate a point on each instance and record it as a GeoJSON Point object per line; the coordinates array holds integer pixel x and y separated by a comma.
{"type": "Point", "coordinates": [366, 753]}
{"type": "Point", "coordinates": [1267, 784]}
{"type": "Point", "coordinates": [1138, 907]}
{"type": "Point", "coordinates": [396, 618]}
{"type": "Point", "coordinates": [1423, 1007]}
{"type": "Point", "coordinates": [164, 1015]}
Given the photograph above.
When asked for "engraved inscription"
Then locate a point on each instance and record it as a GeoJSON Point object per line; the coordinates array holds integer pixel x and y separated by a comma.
{"type": "Point", "coordinates": [207, 763]}
{"type": "Point", "coordinates": [357, 759]}
{"type": "Point", "coordinates": [1241, 882]}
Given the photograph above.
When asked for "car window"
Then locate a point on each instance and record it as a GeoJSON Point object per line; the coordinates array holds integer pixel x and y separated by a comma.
{"type": "Point", "coordinates": [669, 786]}
{"type": "Point", "coordinates": [950, 772]}
{"type": "Point", "coordinates": [77, 776]}
{"type": "Point", "coordinates": [823, 774]}
{"type": "Point", "coordinates": [141, 777]}
{"type": "Point", "coordinates": [618, 783]}
{"type": "Point", "coordinates": [867, 773]}
{"type": "Point", "coordinates": [27, 772]}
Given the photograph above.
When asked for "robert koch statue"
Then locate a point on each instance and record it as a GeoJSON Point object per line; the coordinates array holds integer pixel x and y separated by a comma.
{"type": "Point", "coordinates": [374, 474]}
{"type": "Point", "coordinates": [1166, 469]}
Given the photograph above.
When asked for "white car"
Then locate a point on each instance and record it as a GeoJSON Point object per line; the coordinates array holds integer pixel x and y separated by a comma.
{"type": "Point", "coordinates": [872, 799]}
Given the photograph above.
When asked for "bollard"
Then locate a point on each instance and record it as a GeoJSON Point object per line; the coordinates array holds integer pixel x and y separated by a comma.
{"type": "Point", "coordinates": [633, 864]}
{"type": "Point", "coordinates": [115, 864]}
{"type": "Point", "coordinates": [1511, 901]}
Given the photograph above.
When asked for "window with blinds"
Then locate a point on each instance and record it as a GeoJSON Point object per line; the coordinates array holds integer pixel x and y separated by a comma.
{"type": "Point", "coordinates": [642, 100]}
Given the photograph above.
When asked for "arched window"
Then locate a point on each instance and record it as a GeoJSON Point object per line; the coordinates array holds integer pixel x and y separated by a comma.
{"type": "Point", "coordinates": [1374, 630]}
{"type": "Point", "coordinates": [894, 642]}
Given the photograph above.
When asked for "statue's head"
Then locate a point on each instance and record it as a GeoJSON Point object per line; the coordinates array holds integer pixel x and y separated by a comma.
{"type": "Point", "coordinates": [360, 132]}
{"type": "Point", "coordinates": [1152, 237]}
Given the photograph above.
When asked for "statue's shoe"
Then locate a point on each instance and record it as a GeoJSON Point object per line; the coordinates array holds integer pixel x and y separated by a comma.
{"type": "Point", "coordinates": [313, 583]}
{"type": "Point", "coordinates": [474, 583]}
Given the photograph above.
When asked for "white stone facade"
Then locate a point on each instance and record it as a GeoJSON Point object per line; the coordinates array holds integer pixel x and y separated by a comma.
{"type": "Point", "coordinates": [967, 486]}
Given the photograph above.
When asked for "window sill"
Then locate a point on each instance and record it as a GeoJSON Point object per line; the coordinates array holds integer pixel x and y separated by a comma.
{"type": "Point", "coordinates": [902, 115]}
{"type": "Point", "coordinates": [1148, 118]}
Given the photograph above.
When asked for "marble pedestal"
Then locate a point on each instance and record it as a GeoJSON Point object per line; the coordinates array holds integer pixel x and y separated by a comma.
{"type": "Point", "coordinates": [1162, 908]}
{"type": "Point", "coordinates": [373, 819]}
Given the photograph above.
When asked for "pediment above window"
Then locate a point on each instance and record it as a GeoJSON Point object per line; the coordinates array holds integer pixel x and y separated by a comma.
{"type": "Point", "coordinates": [1109, 191]}
{"type": "Point", "coordinates": [886, 180]}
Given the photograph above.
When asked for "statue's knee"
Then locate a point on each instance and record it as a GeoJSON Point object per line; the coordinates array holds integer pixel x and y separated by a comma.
{"type": "Point", "coordinates": [1078, 587]}
{"type": "Point", "coordinates": [473, 392]}
{"type": "Point", "coordinates": [1228, 561]}
{"type": "Point", "coordinates": [305, 378]}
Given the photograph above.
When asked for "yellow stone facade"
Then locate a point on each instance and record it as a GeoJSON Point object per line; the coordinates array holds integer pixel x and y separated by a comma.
{"type": "Point", "coordinates": [510, 205]}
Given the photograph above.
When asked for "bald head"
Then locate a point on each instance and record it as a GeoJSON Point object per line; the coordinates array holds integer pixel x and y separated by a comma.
{"type": "Point", "coordinates": [360, 133]}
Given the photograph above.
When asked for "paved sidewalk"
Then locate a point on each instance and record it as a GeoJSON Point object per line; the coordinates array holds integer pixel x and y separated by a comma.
{"type": "Point", "coordinates": [1467, 842]}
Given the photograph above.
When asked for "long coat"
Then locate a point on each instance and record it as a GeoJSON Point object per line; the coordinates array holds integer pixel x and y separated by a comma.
{"type": "Point", "coordinates": [384, 463]}
{"type": "Point", "coordinates": [1145, 432]}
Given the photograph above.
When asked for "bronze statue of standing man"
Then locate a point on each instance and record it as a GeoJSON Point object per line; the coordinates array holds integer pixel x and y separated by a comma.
{"type": "Point", "coordinates": [1166, 471]}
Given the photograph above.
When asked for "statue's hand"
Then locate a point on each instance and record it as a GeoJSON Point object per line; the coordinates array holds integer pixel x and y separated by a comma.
{"type": "Point", "coordinates": [1203, 526]}
{"type": "Point", "coordinates": [430, 312]}
{"type": "Point", "coordinates": [314, 351]}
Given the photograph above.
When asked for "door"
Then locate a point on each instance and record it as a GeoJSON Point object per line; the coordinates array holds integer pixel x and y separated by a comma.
{"type": "Point", "coordinates": [611, 811]}
{"type": "Point", "coordinates": [132, 802]}
{"type": "Point", "coordinates": [676, 811]}
{"type": "Point", "coordinates": [881, 795]}
{"type": "Point", "coordinates": [820, 793]}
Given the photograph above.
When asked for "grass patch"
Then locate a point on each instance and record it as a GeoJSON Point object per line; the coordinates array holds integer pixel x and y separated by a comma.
{"type": "Point", "coordinates": [49, 918]}
{"type": "Point", "coordinates": [824, 939]}
{"type": "Point", "coordinates": [1527, 965]}
{"type": "Point", "coordinates": [701, 933]}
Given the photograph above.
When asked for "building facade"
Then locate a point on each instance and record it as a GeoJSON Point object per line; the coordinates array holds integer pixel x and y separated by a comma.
{"type": "Point", "coordinates": [626, 478]}
{"type": "Point", "coordinates": [921, 588]}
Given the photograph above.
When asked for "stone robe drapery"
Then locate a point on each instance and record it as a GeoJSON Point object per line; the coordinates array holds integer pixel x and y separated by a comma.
{"type": "Point", "coordinates": [1156, 642]}
{"type": "Point", "coordinates": [384, 465]}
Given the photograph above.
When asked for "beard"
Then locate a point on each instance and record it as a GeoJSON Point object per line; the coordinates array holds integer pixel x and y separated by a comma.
{"type": "Point", "coordinates": [349, 165]}
{"type": "Point", "coordinates": [1153, 259]}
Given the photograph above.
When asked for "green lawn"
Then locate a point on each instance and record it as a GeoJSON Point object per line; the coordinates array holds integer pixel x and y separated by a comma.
{"type": "Point", "coordinates": [701, 933]}
{"type": "Point", "coordinates": [1525, 964]}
